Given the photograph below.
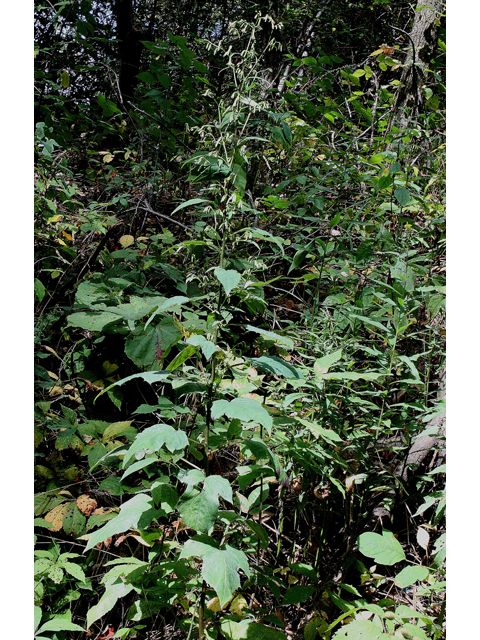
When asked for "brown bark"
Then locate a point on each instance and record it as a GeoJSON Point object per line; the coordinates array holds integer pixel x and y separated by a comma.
{"type": "Point", "coordinates": [423, 43]}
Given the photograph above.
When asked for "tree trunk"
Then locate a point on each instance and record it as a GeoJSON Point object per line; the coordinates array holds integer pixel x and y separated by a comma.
{"type": "Point", "coordinates": [130, 46]}
{"type": "Point", "coordinates": [423, 44]}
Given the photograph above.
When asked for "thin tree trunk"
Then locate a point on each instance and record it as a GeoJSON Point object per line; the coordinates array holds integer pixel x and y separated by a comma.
{"type": "Point", "coordinates": [130, 46]}
{"type": "Point", "coordinates": [304, 47]}
{"type": "Point", "coordinates": [423, 44]}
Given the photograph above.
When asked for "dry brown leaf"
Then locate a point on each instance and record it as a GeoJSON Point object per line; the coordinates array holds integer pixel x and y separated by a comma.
{"type": "Point", "coordinates": [86, 505]}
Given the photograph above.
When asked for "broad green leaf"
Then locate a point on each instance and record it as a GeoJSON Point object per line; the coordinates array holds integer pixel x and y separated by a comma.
{"type": "Point", "coordinates": [298, 594]}
{"type": "Point", "coordinates": [73, 520]}
{"type": "Point", "coordinates": [140, 464]}
{"type": "Point", "coordinates": [304, 570]}
{"type": "Point", "coordinates": [322, 365]}
{"type": "Point", "coordinates": [61, 622]}
{"type": "Point", "coordinates": [149, 345]}
{"type": "Point", "coordinates": [130, 513]}
{"type": "Point", "coordinates": [108, 601]}
{"type": "Point", "coordinates": [240, 180]}
{"type": "Point", "coordinates": [198, 547]}
{"type": "Point", "coordinates": [317, 430]}
{"type": "Point", "coordinates": [277, 366]}
{"type": "Point", "coordinates": [164, 495]}
{"type": "Point", "coordinates": [39, 289]}
{"type": "Point", "coordinates": [37, 616]}
{"type": "Point", "coordinates": [119, 429]}
{"type": "Point", "coordinates": [91, 320]}
{"type": "Point", "coordinates": [218, 486]}
{"type": "Point", "coordinates": [199, 513]}
{"type": "Point", "coordinates": [208, 348]}
{"type": "Point", "coordinates": [74, 570]}
{"type": "Point", "coordinates": [360, 630]}
{"type": "Point", "coordinates": [410, 575]}
{"type": "Point", "coordinates": [402, 195]}
{"type": "Point", "coordinates": [220, 569]}
{"type": "Point", "coordinates": [384, 549]}
{"type": "Point", "coordinates": [228, 278]}
{"type": "Point", "coordinates": [153, 439]}
{"type": "Point", "coordinates": [287, 342]}
{"type": "Point", "coordinates": [244, 409]}
{"type": "Point", "coordinates": [249, 630]}
{"type": "Point", "coordinates": [149, 376]}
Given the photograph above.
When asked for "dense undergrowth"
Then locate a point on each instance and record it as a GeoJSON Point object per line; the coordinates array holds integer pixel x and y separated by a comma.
{"type": "Point", "coordinates": [239, 340]}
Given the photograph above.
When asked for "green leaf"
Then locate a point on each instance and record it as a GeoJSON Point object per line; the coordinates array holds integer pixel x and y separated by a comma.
{"type": "Point", "coordinates": [61, 622]}
{"type": "Point", "coordinates": [361, 630]}
{"type": "Point", "coordinates": [352, 375]}
{"type": "Point", "coordinates": [244, 409]}
{"type": "Point", "coordinates": [272, 336]}
{"type": "Point", "coordinates": [298, 594]}
{"type": "Point", "coordinates": [74, 570]}
{"type": "Point", "coordinates": [317, 430]}
{"type": "Point", "coordinates": [304, 570]}
{"type": "Point", "coordinates": [189, 203]}
{"type": "Point", "coordinates": [410, 575]}
{"type": "Point", "coordinates": [109, 599]}
{"type": "Point", "coordinates": [249, 630]}
{"type": "Point", "coordinates": [220, 569]}
{"type": "Point", "coordinates": [91, 320]}
{"type": "Point", "coordinates": [37, 616]}
{"type": "Point", "coordinates": [240, 180]}
{"type": "Point", "coordinates": [402, 195]}
{"type": "Point", "coordinates": [199, 513]}
{"type": "Point", "coordinates": [327, 361]}
{"type": "Point", "coordinates": [218, 486]}
{"type": "Point", "coordinates": [208, 348]}
{"type": "Point", "coordinates": [149, 345]}
{"type": "Point", "coordinates": [39, 289]}
{"type": "Point", "coordinates": [384, 549]}
{"type": "Point", "coordinates": [153, 438]}
{"type": "Point", "coordinates": [277, 366]}
{"type": "Point", "coordinates": [149, 376]}
{"type": "Point", "coordinates": [140, 464]}
{"type": "Point", "coordinates": [164, 495]}
{"type": "Point", "coordinates": [73, 520]}
{"type": "Point", "coordinates": [184, 355]}
{"type": "Point", "coordinates": [130, 513]}
{"type": "Point", "coordinates": [228, 278]}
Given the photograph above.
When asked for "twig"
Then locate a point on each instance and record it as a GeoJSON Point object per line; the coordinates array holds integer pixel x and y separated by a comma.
{"type": "Point", "coordinates": [162, 215]}
{"type": "Point", "coordinates": [410, 38]}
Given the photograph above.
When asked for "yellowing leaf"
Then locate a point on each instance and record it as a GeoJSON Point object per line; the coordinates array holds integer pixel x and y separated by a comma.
{"type": "Point", "coordinates": [108, 157]}
{"type": "Point", "coordinates": [238, 604]}
{"type": "Point", "coordinates": [55, 391]}
{"type": "Point", "coordinates": [126, 241]}
{"type": "Point", "coordinates": [56, 218]}
{"type": "Point", "coordinates": [214, 605]}
{"type": "Point", "coordinates": [67, 236]}
{"type": "Point", "coordinates": [56, 516]}
{"type": "Point", "coordinates": [65, 79]}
